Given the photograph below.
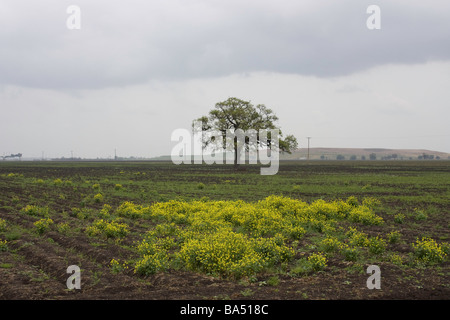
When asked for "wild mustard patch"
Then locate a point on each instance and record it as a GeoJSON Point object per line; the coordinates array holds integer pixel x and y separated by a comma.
{"type": "Point", "coordinates": [357, 238]}
{"type": "Point", "coordinates": [36, 211]}
{"type": "Point", "coordinates": [43, 225]}
{"type": "Point", "coordinates": [96, 186]}
{"type": "Point", "coordinates": [376, 245]}
{"type": "Point", "coordinates": [318, 261]}
{"type": "Point", "coordinates": [428, 250]}
{"type": "Point", "coordinates": [63, 227]}
{"type": "Point", "coordinates": [98, 197]}
{"type": "Point", "coordinates": [399, 218]}
{"type": "Point", "coordinates": [364, 215]}
{"type": "Point", "coordinates": [13, 175]}
{"type": "Point", "coordinates": [3, 225]}
{"type": "Point", "coordinates": [105, 212]}
{"type": "Point", "coordinates": [222, 253]}
{"type": "Point", "coordinates": [396, 259]}
{"type": "Point", "coordinates": [350, 254]}
{"type": "Point", "coordinates": [108, 229]}
{"type": "Point", "coordinates": [238, 238]}
{"type": "Point", "coordinates": [131, 210]}
{"type": "Point", "coordinates": [39, 181]}
{"type": "Point", "coordinates": [394, 236]}
{"type": "Point", "coordinates": [152, 263]}
{"type": "Point", "coordinates": [58, 182]}
{"type": "Point", "coordinates": [3, 245]}
{"type": "Point", "coordinates": [331, 244]}
{"type": "Point", "coordinates": [82, 213]}
{"type": "Point", "coordinates": [117, 267]}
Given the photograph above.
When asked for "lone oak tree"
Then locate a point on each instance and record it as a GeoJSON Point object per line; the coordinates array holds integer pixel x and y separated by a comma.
{"type": "Point", "coordinates": [234, 114]}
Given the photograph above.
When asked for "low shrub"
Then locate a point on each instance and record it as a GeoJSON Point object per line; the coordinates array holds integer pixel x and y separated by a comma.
{"type": "Point", "coordinates": [36, 211]}
{"type": "Point", "coordinates": [43, 225]}
{"type": "Point", "coordinates": [376, 245]}
{"type": "Point", "coordinates": [98, 198]}
{"type": "Point", "coordinates": [427, 250]}
{"type": "Point", "coordinates": [3, 245]}
{"type": "Point", "coordinates": [3, 225]}
{"type": "Point", "coordinates": [318, 261]}
{"type": "Point", "coordinates": [111, 229]}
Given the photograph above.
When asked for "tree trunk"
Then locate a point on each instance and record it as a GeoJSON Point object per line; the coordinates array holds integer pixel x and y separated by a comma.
{"type": "Point", "coordinates": [236, 164]}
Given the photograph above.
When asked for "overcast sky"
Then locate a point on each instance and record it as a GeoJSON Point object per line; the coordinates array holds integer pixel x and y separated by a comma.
{"type": "Point", "coordinates": [137, 70]}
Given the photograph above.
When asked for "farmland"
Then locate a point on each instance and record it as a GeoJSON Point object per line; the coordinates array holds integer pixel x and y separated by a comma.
{"type": "Point", "coordinates": [154, 230]}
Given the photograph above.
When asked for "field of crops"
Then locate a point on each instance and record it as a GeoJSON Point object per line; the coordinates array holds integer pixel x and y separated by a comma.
{"type": "Point", "coordinates": [154, 230]}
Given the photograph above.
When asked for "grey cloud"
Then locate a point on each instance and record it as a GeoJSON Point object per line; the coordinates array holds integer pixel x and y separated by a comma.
{"type": "Point", "coordinates": [126, 43]}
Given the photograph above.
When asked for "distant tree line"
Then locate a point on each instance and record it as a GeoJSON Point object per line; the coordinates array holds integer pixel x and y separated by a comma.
{"type": "Point", "coordinates": [428, 157]}
{"type": "Point", "coordinates": [393, 156]}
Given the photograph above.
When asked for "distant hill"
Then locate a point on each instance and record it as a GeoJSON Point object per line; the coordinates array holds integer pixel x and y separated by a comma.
{"type": "Point", "coordinates": [353, 153]}
{"type": "Point", "coordinates": [361, 153]}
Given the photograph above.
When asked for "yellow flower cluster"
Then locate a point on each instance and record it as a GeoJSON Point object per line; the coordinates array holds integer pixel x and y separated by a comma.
{"type": "Point", "coordinates": [12, 175]}
{"type": "Point", "coordinates": [39, 181]}
{"type": "Point", "coordinates": [98, 197]}
{"type": "Point", "coordinates": [3, 225]}
{"type": "Point", "coordinates": [318, 261]}
{"type": "Point", "coordinates": [224, 253]}
{"type": "Point", "coordinates": [357, 238]}
{"type": "Point", "coordinates": [117, 267]}
{"type": "Point", "coordinates": [33, 210]}
{"type": "Point", "coordinates": [266, 217]}
{"type": "Point", "coordinates": [63, 227]}
{"type": "Point", "coordinates": [105, 212]}
{"type": "Point", "coordinates": [377, 245]}
{"type": "Point", "coordinates": [364, 215]}
{"type": "Point", "coordinates": [152, 263]}
{"type": "Point", "coordinates": [131, 210]}
{"type": "Point", "coordinates": [3, 245]}
{"type": "Point", "coordinates": [330, 244]}
{"type": "Point", "coordinates": [428, 250]}
{"type": "Point", "coordinates": [59, 182]}
{"type": "Point", "coordinates": [42, 225]}
{"type": "Point", "coordinates": [82, 213]}
{"type": "Point", "coordinates": [396, 259]}
{"type": "Point", "coordinates": [236, 238]}
{"type": "Point", "coordinates": [111, 229]}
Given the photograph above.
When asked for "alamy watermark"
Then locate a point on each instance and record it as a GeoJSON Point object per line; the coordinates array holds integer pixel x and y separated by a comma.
{"type": "Point", "coordinates": [373, 22]}
{"type": "Point", "coordinates": [73, 22]}
{"type": "Point", "coordinates": [374, 281]}
{"type": "Point", "coordinates": [74, 281]}
{"type": "Point", "coordinates": [227, 146]}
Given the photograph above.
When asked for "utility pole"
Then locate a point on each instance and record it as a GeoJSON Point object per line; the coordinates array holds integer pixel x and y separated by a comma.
{"type": "Point", "coordinates": [308, 146]}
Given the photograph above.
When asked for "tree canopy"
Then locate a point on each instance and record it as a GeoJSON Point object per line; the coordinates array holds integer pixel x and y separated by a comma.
{"type": "Point", "coordinates": [236, 114]}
